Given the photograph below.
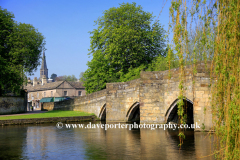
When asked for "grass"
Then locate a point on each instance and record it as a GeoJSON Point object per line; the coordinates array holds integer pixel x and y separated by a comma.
{"type": "Point", "coordinates": [48, 114]}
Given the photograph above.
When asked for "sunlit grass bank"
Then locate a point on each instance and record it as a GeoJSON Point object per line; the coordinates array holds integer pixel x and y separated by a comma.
{"type": "Point", "coordinates": [48, 114]}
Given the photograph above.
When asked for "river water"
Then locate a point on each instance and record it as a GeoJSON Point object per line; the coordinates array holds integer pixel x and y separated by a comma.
{"type": "Point", "coordinates": [46, 141]}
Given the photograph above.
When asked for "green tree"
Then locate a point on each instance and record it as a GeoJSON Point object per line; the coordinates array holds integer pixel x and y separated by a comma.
{"type": "Point", "coordinates": [201, 43]}
{"type": "Point", "coordinates": [81, 78]}
{"type": "Point", "coordinates": [124, 40]}
{"type": "Point", "coordinates": [70, 78]}
{"type": "Point", "coordinates": [20, 49]}
{"type": "Point", "coordinates": [53, 76]}
{"type": "Point", "coordinates": [66, 78]}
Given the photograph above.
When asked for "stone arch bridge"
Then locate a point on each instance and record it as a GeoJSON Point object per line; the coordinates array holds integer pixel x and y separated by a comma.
{"type": "Point", "coordinates": [150, 99]}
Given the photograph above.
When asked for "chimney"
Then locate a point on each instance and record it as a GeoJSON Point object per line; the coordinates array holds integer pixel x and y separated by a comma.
{"type": "Point", "coordinates": [35, 81]}
{"type": "Point", "coordinates": [44, 80]}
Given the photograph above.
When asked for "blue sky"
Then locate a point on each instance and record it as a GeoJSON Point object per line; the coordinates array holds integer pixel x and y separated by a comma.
{"type": "Point", "coordinates": [66, 25]}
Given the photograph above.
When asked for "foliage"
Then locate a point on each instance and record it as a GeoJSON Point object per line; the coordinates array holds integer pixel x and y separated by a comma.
{"type": "Point", "coordinates": [133, 73]}
{"type": "Point", "coordinates": [216, 38]}
{"type": "Point", "coordinates": [70, 78]}
{"type": "Point", "coordinates": [226, 89]}
{"type": "Point", "coordinates": [20, 47]}
{"type": "Point", "coordinates": [160, 63]}
{"type": "Point", "coordinates": [67, 78]}
{"type": "Point", "coordinates": [124, 41]}
{"type": "Point", "coordinates": [53, 76]}
{"type": "Point", "coordinates": [81, 78]}
{"type": "Point", "coordinates": [179, 22]}
{"type": "Point", "coordinates": [197, 46]}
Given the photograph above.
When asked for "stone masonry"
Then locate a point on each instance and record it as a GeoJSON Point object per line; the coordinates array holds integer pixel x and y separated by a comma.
{"type": "Point", "coordinates": [10, 105]}
{"type": "Point", "coordinates": [154, 93]}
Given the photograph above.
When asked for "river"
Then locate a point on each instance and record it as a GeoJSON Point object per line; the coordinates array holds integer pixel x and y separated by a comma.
{"type": "Point", "coordinates": [46, 141]}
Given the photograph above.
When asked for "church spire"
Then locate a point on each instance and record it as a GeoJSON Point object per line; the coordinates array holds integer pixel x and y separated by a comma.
{"type": "Point", "coordinates": [44, 70]}
{"type": "Point", "coordinates": [44, 64]}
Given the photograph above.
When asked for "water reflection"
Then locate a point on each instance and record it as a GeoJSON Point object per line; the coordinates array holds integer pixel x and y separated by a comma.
{"type": "Point", "coordinates": [12, 139]}
{"type": "Point", "coordinates": [47, 142]}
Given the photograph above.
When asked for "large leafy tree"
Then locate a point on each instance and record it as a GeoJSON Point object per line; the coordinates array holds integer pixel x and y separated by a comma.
{"type": "Point", "coordinates": [125, 40]}
{"type": "Point", "coordinates": [20, 49]}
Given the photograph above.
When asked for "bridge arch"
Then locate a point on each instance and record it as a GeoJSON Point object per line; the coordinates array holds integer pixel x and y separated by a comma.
{"type": "Point", "coordinates": [102, 114]}
{"type": "Point", "coordinates": [172, 116]}
{"type": "Point", "coordinates": [133, 113]}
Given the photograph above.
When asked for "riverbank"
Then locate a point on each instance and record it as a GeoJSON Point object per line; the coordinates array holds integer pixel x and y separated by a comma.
{"type": "Point", "coordinates": [48, 114]}
{"type": "Point", "coordinates": [47, 117]}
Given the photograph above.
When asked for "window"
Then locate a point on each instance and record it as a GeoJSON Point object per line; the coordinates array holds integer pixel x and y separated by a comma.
{"type": "Point", "coordinates": [65, 93]}
{"type": "Point", "coordinates": [51, 93]}
{"type": "Point", "coordinates": [37, 95]}
{"type": "Point", "coordinates": [44, 94]}
{"type": "Point", "coordinates": [79, 93]}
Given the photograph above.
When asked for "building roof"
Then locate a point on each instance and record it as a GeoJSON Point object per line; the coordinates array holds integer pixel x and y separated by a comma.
{"type": "Point", "coordinates": [53, 85]}
{"type": "Point", "coordinates": [76, 84]}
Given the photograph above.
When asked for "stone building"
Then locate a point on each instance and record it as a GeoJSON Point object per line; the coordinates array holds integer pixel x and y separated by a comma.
{"type": "Point", "coordinates": [48, 91]}
{"type": "Point", "coordinates": [56, 90]}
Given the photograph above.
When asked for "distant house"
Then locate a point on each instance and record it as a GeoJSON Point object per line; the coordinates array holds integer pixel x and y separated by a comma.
{"type": "Point", "coordinates": [54, 91]}
{"type": "Point", "coordinates": [47, 91]}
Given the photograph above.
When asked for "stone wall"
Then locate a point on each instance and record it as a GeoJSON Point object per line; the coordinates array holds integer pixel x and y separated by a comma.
{"type": "Point", "coordinates": [66, 105]}
{"type": "Point", "coordinates": [151, 95]}
{"type": "Point", "coordinates": [91, 103]}
{"type": "Point", "coordinates": [202, 97]}
{"type": "Point", "coordinates": [10, 105]}
{"type": "Point", "coordinates": [158, 95]}
{"type": "Point", "coordinates": [120, 98]}
{"type": "Point", "coordinates": [158, 92]}
{"type": "Point", "coordinates": [47, 106]}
